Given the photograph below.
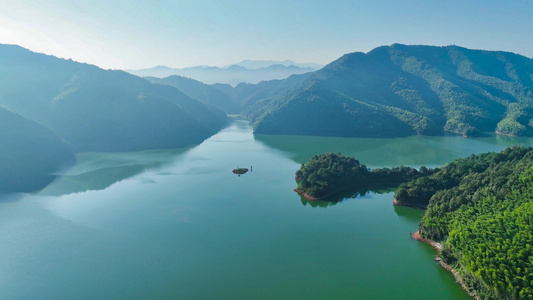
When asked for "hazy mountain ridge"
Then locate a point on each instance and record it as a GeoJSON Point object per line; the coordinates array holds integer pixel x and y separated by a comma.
{"type": "Point", "coordinates": [247, 94]}
{"type": "Point", "coordinates": [232, 100]}
{"type": "Point", "coordinates": [84, 108]}
{"type": "Point", "coordinates": [403, 90]}
{"type": "Point", "coordinates": [256, 64]}
{"type": "Point", "coordinates": [101, 110]}
{"type": "Point", "coordinates": [233, 74]}
{"type": "Point", "coordinates": [201, 92]}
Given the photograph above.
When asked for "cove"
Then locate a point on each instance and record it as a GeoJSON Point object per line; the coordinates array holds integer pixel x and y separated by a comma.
{"type": "Point", "coordinates": [179, 224]}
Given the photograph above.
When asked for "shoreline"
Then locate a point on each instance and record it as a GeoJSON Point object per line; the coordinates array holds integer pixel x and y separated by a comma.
{"type": "Point", "coordinates": [438, 246]}
{"type": "Point", "coordinates": [323, 198]}
{"type": "Point", "coordinates": [306, 196]}
{"type": "Point", "coordinates": [398, 203]}
{"type": "Point", "coordinates": [505, 134]}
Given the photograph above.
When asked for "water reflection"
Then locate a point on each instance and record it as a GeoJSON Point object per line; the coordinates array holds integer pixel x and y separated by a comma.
{"type": "Point", "coordinates": [98, 171]}
{"type": "Point", "coordinates": [409, 213]}
{"type": "Point", "coordinates": [362, 193]}
{"type": "Point", "coordinates": [243, 125]}
{"type": "Point", "coordinates": [430, 151]}
{"type": "Point", "coordinates": [5, 198]}
{"type": "Point", "coordinates": [316, 203]}
{"type": "Point", "coordinates": [371, 151]}
{"type": "Point", "coordinates": [94, 180]}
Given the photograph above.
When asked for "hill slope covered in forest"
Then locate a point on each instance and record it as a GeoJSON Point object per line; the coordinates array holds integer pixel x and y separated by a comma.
{"type": "Point", "coordinates": [101, 110]}
{"type": "Point", "coordinates": [232, 100]}
{"type": "Point", "coordinates": [200, 91]}
{"type": "Point", "coordinates": [51, 108]}
{"type": "Point", "coordinates": [404, 90]}
{"type": "Point", "coordinates": [481, 209]}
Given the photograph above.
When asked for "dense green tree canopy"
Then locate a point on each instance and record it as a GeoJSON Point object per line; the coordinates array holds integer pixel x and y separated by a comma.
{"type": "Point", "coordinates": [330, 173]}
{"type": "Point", "coordinates": [481, 209]}
{"type": "Point", "coordinates": [403, 90]}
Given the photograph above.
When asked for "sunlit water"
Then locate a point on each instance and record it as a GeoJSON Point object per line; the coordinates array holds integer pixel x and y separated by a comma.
{"type": "Point", "coordinates": [178, 224]}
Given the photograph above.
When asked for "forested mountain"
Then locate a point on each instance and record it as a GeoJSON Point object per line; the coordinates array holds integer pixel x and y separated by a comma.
{"type": "Point", "coordinates": [29, 154]}
{"type": "Point", "coordinates": [101, 110]}
{"type": "Point", "coordinates": [247, 94]}
{"type": "Point", "coordinates": [403, 90]}
{"type": "Point", "coordinates": [481, 209]}
{"type": "Point", "coordinates": [232, 100]}
{"type": "Point", "coordinates": [201, 92]}
{"type": "Point", "coordinates": [232, 75]}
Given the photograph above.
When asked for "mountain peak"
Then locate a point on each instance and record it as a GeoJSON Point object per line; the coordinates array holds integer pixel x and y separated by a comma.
{"type": "Point", "coordinates": [408, 89]}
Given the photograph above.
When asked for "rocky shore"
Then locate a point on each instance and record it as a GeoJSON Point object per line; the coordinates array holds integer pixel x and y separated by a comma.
{"type": "Point", "coordinates": [438, 246]}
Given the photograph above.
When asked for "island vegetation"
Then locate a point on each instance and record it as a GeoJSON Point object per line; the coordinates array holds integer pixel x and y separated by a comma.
{"type": "Point", "coordinates": [240, 171]}
{"type": "Point", "coordinates": [329, 174]}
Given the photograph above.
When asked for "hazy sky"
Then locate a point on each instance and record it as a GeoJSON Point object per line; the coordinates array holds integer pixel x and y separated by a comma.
{"type": "Point", "coordinates": [140, 33]}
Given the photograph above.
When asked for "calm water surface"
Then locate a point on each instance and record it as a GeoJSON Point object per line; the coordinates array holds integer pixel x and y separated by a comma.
{"type": "Point", "coordinates": [178, 224]}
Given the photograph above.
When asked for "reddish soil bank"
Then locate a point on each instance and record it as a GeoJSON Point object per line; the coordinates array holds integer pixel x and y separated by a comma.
{"type": "Point", "coordinates": [438, 247]}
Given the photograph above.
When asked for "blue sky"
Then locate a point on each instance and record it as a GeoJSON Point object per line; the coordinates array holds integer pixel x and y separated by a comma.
{"type": "Point", "coordinates": [135, 34]}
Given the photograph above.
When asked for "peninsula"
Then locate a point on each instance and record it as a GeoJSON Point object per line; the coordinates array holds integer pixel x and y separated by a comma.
{"type": "Point", "coordinates": [328, 174]}
{"type": "Point", "coordinates": [479, 212]}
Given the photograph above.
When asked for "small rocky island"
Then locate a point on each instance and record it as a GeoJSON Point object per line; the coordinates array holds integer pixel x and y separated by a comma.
{"type": "Point", "coordinates": [332, 174]}
{"type": "Point", "coordinates": [240, 171]}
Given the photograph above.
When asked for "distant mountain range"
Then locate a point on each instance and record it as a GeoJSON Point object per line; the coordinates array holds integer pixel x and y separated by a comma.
{"type": "Point", "coordinates": [257, 64]}
{"type": "Point", "coordinates": [404, 90]}
{"type": "Point", "coordinates": [201, 92]}
{"type": "Point", "coordinates": [247, 71]}
{"type": "Point", "coordinates": [232, 100]}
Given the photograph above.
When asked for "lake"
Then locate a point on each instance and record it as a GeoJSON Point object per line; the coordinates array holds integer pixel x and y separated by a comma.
{"type": "Point", "coordinates": [178, 224]}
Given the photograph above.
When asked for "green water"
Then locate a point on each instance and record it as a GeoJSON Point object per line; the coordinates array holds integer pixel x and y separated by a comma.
{"type": "Point", "coordinates": [179, 225]}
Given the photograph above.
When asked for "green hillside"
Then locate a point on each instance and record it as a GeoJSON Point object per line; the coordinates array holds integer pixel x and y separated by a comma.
{"type": "Point", "coordinates": [101, 110]}
{"type": "Point", "coordinates": [249, 94]}
{"type": "Point", "coordinates": [403, 90]}
{"type": "Point", "coordinates": [201, 92]}
{"type": "Point", "coordinates": [481, 209]}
